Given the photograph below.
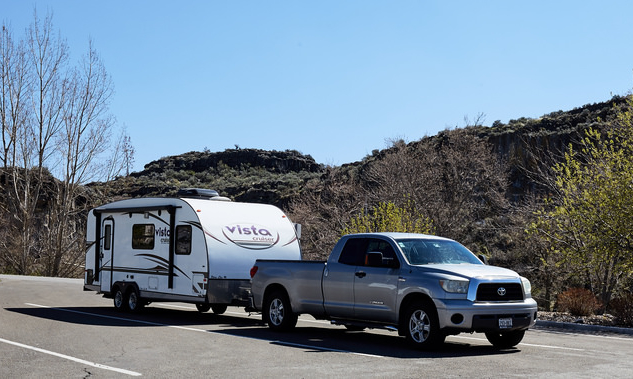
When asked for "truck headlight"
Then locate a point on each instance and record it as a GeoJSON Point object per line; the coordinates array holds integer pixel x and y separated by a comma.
{"type": "Point", "coordinates": [527, 287]}
{"type": "Point", "coordinates": [454, 286]}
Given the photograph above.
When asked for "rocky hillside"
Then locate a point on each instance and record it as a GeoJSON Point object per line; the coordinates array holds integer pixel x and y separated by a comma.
{"type": "Point", "coordinates": [530, 144]}
{"type": "Point", "coordinates": [248, 175]}
{"type": "Point", "coordinates": [276, 177]}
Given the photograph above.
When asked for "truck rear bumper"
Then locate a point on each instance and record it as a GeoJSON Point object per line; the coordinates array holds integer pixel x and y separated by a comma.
{"type": "Point", "coordinates": [466, 316]}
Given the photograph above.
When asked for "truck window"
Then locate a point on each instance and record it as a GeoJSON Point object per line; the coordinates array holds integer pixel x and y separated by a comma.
{"type": "Point", "coordinates": [143, 236]}
{"type": "Point", "coordinates": [353, 253]}
{"type": "Point", "coordinates": [426, 251]}
{"type": "Point", "coordinates": [183, 239]}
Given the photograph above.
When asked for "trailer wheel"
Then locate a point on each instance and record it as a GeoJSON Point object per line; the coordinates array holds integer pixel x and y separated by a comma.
{"type": "Point", "coordinates": [119, 300]}
{"type": "Point", "coordinates": [203, 307]}
{"type": "Point", "coordinates": [421, 326]}
{"type": "Point", "coordinates": [505, 340]}
{"type": "Point", "coordinates": [277, 312]}
{"type": "Point", "coordinates": [218, 309]}
{"type": "Point", "coordinates": [134, 302]}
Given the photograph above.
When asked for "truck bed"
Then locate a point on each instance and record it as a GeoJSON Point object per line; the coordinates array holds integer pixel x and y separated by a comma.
{"type": "Point", "coordinates": [302, 279]}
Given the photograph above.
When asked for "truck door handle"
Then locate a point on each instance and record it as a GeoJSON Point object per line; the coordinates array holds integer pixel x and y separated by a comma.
{"type": "Point", "coordinates": [361, 274]}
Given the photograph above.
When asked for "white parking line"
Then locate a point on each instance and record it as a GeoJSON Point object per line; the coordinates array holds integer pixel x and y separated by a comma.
{"type": "Point", "coordinates": [328, 323]}
{"type": "Point", "coordinates": [175, 306]}
{"type": "Point", "coordinates": [78, 360]}
{"type": "Point", "coordinates": [572, 333]}
{"type": "Point", "coordinates": [283, 343]}
{"type": "Point", "coordinates": [117, 318]}
{"type": "Point", "coordinates": [524, 344]}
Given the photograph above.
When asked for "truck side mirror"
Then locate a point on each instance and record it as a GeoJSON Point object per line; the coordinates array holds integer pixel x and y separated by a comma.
{"type": "Point", "coordinates": [483, 258]}
{"type": "Point", "coordinates": [374, 259]}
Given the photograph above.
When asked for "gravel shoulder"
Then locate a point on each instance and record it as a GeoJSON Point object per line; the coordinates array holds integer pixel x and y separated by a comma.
{"type": "Point", "coordinates": [596, 323]}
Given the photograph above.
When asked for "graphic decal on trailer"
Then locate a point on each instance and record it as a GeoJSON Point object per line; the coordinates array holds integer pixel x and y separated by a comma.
{"type": "Point", "coordinates": [250, 236]}
{"type": "Point", "coordinates": [161, 268]}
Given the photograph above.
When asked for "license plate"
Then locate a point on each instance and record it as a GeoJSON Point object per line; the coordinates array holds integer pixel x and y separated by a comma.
{"type": "Point", "coordinates": [505, 323]}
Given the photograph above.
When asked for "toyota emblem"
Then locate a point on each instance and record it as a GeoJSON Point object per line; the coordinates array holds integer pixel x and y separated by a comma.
{"type": "Point", "coordinates": [501, 291]}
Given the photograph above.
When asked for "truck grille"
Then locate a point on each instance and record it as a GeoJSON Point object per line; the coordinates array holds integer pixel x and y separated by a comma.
{"type": "Point", "coordinates": [499, 292]}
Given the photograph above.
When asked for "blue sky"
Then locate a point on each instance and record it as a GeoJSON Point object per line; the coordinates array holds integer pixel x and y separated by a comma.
{"type": "Point", "coordinates": [338, 79]}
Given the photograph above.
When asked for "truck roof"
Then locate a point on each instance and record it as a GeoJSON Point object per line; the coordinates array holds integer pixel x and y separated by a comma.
{"type": "Point", "coordinates": [397, 235]}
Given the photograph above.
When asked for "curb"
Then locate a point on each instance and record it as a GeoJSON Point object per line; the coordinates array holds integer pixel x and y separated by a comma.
{"type": "Point", "coordinates": [583, 327]}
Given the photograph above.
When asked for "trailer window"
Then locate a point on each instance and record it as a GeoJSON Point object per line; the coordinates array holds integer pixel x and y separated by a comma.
{"type": "Point", "coordinates": [107, 239]}
{"type": "Point", "coordinates": [183, 239]}
{"type": "Point", "coordinates": [143, 236]}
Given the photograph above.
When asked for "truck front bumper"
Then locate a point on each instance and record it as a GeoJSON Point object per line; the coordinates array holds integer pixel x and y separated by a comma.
{"type": "Point", "coordinates": [468, 316]}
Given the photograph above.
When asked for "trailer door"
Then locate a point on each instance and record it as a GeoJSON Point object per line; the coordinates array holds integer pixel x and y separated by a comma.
{"type": "Point", "coordinates": [107, 252]}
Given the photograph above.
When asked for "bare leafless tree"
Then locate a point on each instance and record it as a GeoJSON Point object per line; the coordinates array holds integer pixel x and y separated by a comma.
{"type": "Point", "coordinates": [324, 208]}
{"type": "Point", "coordinates": [83, 138]}
{"type": "Point", "coordinates": [454, 179]}
{"type": "Point", "coordinates": [56, 132]}
{"type": "Point", "coordinates": [122, 158]}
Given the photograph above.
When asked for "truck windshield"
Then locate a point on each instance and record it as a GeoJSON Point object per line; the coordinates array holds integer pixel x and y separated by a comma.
{"type": "Point", "coordinates": [426, 251]}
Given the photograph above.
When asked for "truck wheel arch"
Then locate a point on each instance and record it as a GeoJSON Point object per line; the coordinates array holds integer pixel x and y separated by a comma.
{"type": "Point", "coordinates": [271, 289]}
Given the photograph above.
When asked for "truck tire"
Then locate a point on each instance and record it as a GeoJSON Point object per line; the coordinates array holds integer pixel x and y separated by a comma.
{"type": "Point", "coordinates": [505, 340]}
{"type": "Point", "coordinates": [202, 308]}
{"type": "Point", "coordinates": [134, 301]}
{"type": "Point", "coordinates": [218, 309]}
{"type": "Point", "coordinates": [421, 327]}
{"type": "Point", "coordinates": [277, 312]}
{"type": "Point", "coordinates": [119, 300]}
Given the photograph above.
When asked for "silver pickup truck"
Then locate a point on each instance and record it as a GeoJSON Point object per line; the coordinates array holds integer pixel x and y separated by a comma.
{"type": "Point", "coordinates": [425, 287]}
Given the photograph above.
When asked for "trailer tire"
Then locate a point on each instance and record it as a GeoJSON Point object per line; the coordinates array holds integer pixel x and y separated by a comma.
{"type": "Point", "coordinates": [119, 300]}
{"type": "Point", "coordinates": [277, 312]}
{"type": "Point", "coordinates": [218, 309]}
{"type": "Point", "coordinates": [134, 301]}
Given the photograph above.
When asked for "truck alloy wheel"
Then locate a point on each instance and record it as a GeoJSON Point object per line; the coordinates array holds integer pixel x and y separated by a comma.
{"type": "Point", "coordinates": [276, 312]}
{"type": "Point", "coordinates": [419, 326]}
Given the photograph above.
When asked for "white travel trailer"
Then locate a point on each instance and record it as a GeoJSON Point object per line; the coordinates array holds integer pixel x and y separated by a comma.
{"type": "Point", "coordinates": [132, 257]}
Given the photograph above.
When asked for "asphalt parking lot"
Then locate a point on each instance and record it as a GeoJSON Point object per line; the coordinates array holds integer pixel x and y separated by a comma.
{"type": "Point", "coordinates": [50, 327]}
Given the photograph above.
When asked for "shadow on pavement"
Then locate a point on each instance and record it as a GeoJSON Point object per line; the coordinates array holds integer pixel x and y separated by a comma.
{"type": "Point", "coordinates": [308, 339]}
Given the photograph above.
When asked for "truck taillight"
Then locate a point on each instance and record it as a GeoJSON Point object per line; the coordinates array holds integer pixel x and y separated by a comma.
{"type": "Point", "coordinates": [253, 271]}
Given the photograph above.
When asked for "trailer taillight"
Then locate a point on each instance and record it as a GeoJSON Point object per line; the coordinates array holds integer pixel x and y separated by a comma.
{"type": "Point", "coordinates": [253, 271]}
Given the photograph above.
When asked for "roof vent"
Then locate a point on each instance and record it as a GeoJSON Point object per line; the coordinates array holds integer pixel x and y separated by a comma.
{"type": "Point", "coordinates": [201, 193]}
